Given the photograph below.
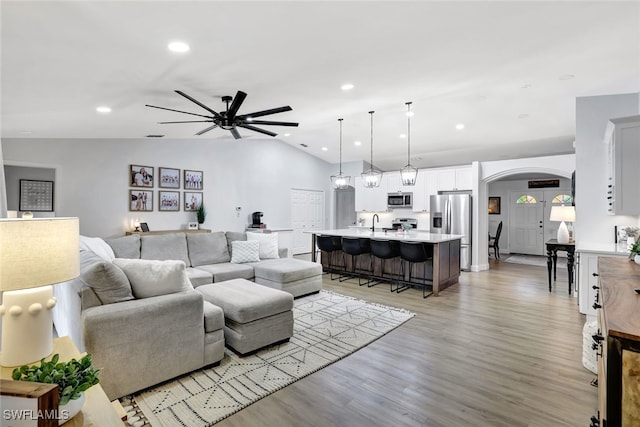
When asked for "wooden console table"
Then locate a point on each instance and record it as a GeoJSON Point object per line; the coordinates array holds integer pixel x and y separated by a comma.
{"type": "Point", "coordinates": [97, 409]}
{"type": "Point", "coordinates": [552, 257]}
{"type": "Point", "coordinates": [150, 233]}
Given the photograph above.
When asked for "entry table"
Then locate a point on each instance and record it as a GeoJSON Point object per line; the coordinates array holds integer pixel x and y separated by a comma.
{"type": "Point", "coordinates": [552, 257]}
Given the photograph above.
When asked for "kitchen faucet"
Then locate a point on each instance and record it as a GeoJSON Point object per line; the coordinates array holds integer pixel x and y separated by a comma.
{"type": "Point", "coordinates": [373, 222]}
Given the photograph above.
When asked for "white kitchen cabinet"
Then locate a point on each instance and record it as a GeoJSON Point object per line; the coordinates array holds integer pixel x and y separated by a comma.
{"type": "Point", "coordinates": [370, 199]}
{"type": "Point", "coordinates": [454, 179]}
{"type": "Point", "coordinates": [430, 185]}
{"type": "Point", "coordinates": [623, 139]}
{"type": "Point", "coordinates": [394, 183]}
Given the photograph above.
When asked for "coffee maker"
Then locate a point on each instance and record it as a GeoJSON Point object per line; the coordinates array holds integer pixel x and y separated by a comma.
{"type": "Point", "coordinates": [256, 220]}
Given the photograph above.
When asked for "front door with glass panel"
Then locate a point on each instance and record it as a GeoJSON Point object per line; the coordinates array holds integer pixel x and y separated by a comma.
{"type": "Point", "coordinates": [526, 223]}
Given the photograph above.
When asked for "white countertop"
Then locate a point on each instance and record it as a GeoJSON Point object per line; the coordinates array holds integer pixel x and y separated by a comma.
{"type": "Point", "coordinates": [409, 236]}
{"type": "Point", "coordinates": [603, 248]}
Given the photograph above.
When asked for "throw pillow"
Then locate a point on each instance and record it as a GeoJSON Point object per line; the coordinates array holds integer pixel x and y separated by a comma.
{"type": "Point", "coordinates": [268, 244]}
{"type": "Point", "coordinates": [150, 278]}
{"type": "Point", "coordinates": [164, 247]}
{"type": "Point", "coordinates": [245, 251]}
{"type": "Point", "coordinates": [108, 282]}
{"type": "Point", "coordinates": [125, 247]}
{"type": "Point", "coordinates": [98, 247]}
{"type": "Point", "coordinates": [207, 248]}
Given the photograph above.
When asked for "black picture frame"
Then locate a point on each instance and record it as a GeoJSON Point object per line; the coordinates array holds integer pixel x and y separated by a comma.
{"type": "Point", "coordinates": [36, 196]}
{"type": "Point", "coordinates": [494, 205]}
{"type": "Point", "coordinates": [144, 226]}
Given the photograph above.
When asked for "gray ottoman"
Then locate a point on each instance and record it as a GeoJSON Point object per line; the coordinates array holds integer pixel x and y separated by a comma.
{"type": "Point", "coordinates": [296, 276]}
{"type": "Point", "coordinates": [255, 316]}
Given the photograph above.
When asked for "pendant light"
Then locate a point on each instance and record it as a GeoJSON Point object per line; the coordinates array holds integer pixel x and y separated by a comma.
{"type": "Point", "coordinates": [408, 174]}
{"type": "Point", "coordinates": [340, 181]}
{"type": "Point", "coordinates": [371, 177]}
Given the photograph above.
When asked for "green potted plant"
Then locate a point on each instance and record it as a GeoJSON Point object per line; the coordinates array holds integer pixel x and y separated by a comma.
{"type": "Point", "coordinates": [201, 213]}
{"type": "Point", "coordinates": [73, 379]}
{"type": "Point", "coordinates": [634, 252]}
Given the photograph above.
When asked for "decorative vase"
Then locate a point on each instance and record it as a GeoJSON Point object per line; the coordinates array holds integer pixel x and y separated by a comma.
{"type": "Point", "coordinates": [637, 259]}
{"type": "Point", "coordinates": [70, 409]}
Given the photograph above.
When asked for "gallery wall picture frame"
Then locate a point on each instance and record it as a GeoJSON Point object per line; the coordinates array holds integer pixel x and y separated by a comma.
{"type": "Point", "coordinates": [169, 177]}
{"type": "Point", "coordinates": [36, 195]}
{"type": "Point", "coordinates": [193, 180]}
{"type": "Point", "coordinates": [494, 205]}
{"type": "Point", "coordinates": [192, 201]}
{"type": "Point", "coordinates": [141, 176]}
{"type": "Point", "coordinates": [140, 200]}
{"type": "Point", "coordinates": [144, 227]}
{"type": "Point", "coordinates": [168, 201]}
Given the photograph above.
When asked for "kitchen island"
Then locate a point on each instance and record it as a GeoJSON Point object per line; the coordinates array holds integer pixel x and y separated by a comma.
{"type": "Point", "coordinates": [446, 250]}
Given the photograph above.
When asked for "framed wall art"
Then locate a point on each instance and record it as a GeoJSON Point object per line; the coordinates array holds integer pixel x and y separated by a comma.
{"type": "Point", "coordinates": [192, 201]}
{"type": "Point", "coordinates": [193, 180]}
{"type": "Point", "coordinates": [168, 201]}
{"type": "Point", "coordinates": [169, 177]}
{"type": "Point", "coordinates": [36, 196]}
{"type": "Point", "coordinates": [141, 200]}
{"type": "Point", "coordinates": [494, 205]}
{"type": "Point", "coordinates": [141, 176]}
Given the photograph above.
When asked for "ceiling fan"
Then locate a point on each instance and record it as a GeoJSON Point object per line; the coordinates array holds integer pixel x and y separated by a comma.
{"type": "Point", "coordinates": [229, 119]}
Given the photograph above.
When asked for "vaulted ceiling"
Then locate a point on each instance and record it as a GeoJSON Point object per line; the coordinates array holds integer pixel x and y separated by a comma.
{"type": "Point", "coordinates": [508, 71]}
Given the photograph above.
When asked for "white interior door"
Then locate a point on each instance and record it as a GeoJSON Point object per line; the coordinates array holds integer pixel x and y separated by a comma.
{"type": "Point", "coordinates": [307, 214]}
{"type": "Point", "coordinates": [526, 223]}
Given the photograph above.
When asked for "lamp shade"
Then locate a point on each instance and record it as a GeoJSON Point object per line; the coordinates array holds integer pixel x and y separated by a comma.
{"type": "Point", "coordinates": [563, 213]}
{"type": "Point", "coordinates": [38, 252]}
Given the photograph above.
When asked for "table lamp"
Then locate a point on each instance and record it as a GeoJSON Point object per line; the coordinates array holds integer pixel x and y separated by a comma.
{"type": "Point", "coordinates": [563, 213]}
{"type": "Point", "coordinates": [34, 254]}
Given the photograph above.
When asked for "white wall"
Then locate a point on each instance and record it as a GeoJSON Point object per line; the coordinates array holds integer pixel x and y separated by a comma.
{"type": "Point", "coordinates": [255, 174]}
{"type": "Point", "coordinates": [593, 223]}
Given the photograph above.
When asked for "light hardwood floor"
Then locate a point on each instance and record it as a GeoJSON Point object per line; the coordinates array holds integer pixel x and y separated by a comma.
{"type": "Point", "coordinates": [495, 350]}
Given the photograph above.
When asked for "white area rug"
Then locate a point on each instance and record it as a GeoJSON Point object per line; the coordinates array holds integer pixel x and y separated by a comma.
{"type": "Point", "coordinates": [327, 327]}
{"type": "Point", "coordinates": [534, 260]}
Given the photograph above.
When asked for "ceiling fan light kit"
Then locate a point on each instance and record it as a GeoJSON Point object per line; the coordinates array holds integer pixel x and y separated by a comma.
{"type": "Point", "coordinates": [230, 119]}
{"type": "Point", "coordinates": [408, 174]}
{"type": "Point", "coordinates": [340, 181]}
{"type": "Point", "coordinates": [371, 177]}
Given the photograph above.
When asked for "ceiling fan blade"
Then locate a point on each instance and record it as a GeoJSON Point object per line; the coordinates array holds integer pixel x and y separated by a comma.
{"type": "Point", "coordinates": [268, 122]}
{"type": "Point", "coordinates": [235, 105]}
{"type": "Point", "coordinates": [178, 111]}
{"type": "Point", "coordinates": [266, 112]}
{"type": "Point", "coordinates": [195, 101]}
{"type": "Point", "coordinates": [235, 133]}
{"type": "Point", "coordinates": [255, 129]}
{"type": "Point", "coordinates": [188, 121]}
{"type": "Point", "coordinates": [207, 129]}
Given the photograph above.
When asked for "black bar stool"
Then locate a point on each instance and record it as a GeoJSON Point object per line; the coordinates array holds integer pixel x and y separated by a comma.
{"type": "Point", "coordinates": [384, 250]}
{"type": "Point", "coordinates": [414, 253]}
{"type": "Point", "coordinates": [331, 245]}
{"type": "Point", "coordinates": [356, 248]}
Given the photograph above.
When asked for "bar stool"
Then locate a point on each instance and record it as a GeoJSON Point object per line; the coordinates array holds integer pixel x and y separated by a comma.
{"type": "Point", "coordinates": [331, 245]}
{"type": "Point", "coordinates": [384, 250]}
{"type": "Point", "coordinates": [356, 248]}
{"type": "Point", "coordinates": [413, 253]}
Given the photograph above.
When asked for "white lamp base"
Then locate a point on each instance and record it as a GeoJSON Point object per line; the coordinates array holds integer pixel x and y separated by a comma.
{"type": "Point", "coordinates": [27, 325]}
{"type": "Point", "coordinates": [563, 233]}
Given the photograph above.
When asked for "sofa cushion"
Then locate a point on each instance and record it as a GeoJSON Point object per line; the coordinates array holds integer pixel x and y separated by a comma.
{"type": "Point", "coordinates": [199, 277]}
{"type": "Point", "coordinates": [126, 247]}
{"type": "Point", "coordinates": [150, 278]}
{"type": "Point", "coordinates": [232, 236]}
{"type": "Point", "coordinates": [108, 281]}
{"type": "Point", "coordinates": [268, 244]}
{"type": "Point", "coordinates": [98, 246]}
{"type": "Point", "coordinates": [228, 271]}
{"type": "Point", "coordinates": [243, 252]}
{"type": "Point", "coordinates": [213, 317]}
{"type": "Point", "coordinates": [165, 247]}
{"type": "Point", "coordinates": [207, 248]}
{"type": "Point", "coordinates": [285, 270]}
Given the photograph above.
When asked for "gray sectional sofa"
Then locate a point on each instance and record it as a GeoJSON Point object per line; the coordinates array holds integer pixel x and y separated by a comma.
{"type": "Point", "coordinates": [145, 325]}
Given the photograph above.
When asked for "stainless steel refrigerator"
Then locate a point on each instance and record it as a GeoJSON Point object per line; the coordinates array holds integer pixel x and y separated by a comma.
{"type": "Point", "coordinates": [451, 214]}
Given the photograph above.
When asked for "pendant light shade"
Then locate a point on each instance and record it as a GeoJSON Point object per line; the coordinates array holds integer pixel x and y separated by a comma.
{"type": "Point", "coordinates": [371, 177]}
{"type": "Point", "coordinates": [340, 181]}
{"type": "Point", "coordinates": [408, 174]}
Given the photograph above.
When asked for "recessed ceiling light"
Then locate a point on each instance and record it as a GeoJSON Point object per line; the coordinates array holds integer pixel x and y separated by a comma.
{"type": "Point", "coordinates": [26, 132]}
{"type": "Point", "coordinates": [409, 113]}
{"type": "Point", "coordinates": [357, 143]}
{"type": "Point", "coordinates": [566, 77]}
{"type": "Point", "coordinates": [287, 134]}
{"type": "Point", "coordinates": [403, 135]}
{"type": "Point", "coordinates": [325, 149]}
{"type": "Point", "coordinates": [347, 86]}
{"type": "Point", "coordinates": [178, 47]}
{"type": "Point", "coordinates": [523, 116]}
{"type": "Point", "coordinates": [460, 126]}
{"type": "Point", "coordinates": [103, 109]}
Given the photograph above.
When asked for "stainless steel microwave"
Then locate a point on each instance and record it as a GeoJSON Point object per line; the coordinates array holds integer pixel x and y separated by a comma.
{"type": "Point", "coordinates": [400, 200]}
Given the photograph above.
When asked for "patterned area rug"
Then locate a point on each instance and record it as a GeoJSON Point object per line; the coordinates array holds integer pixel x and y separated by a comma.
{"type": "Point", "coordinates": [327, 327]}
{"type": "Point", "coordinates": [534, 260]}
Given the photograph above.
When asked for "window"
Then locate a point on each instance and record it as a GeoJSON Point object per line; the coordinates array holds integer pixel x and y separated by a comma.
{"type": "Point", "coordinates": [525, 198]}
{"type": "Point", "coordinates": [565, 199]}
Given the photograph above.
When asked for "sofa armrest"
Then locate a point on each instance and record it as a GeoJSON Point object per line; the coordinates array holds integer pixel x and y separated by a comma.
{"type": "Point", "coordinates": [124, 338]}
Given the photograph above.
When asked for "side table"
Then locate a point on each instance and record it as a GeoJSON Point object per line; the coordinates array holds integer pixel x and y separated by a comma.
{"type": "Point", "coordinates": [552, 257]}
{"type": "Point", "coordinates": [97, 410]}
